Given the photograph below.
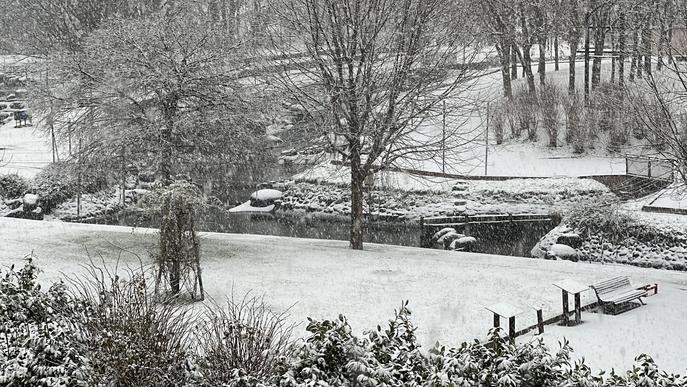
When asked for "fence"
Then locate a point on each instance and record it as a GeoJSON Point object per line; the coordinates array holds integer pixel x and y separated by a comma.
{"type": "Point", "coordinates": [649, 167]}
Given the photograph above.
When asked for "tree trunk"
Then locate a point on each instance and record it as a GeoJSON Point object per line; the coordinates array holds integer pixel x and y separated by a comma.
{"type": "Point", "coordinates": [527, 68]}
{"type": "Point", "coordinates": [586, 62]}
{"type": "Point", "coordinates": [635, 54]}
{"type": "Point", "coordinates": [357, 179]}
{"type": "Point", "coordinates": [571, 61]}
{"type": "Point", "coordinates": [621, 51]}
{"type": "Point", "coordinates": [599, 38]}
{"type": "Point", "coordinates": [646, 40]}
{"type": "Point", "coordinates": [514, 62]}
{"type": "Point", "coordinates": [541, 68]}
{"type": "Point", "coordinates": [167, 142]}
{"type": "Point", "coordinates": [555, 52]}
{"type": "Point", "coordinates": [504, 51]}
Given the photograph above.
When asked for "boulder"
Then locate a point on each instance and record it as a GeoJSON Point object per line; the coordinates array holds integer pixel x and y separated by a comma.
{"type": "Point", "coordinates": [465, 243]}
{"type": "Point", "coordinates": [30, 202]}
{"type": "Point", "coordinates": [447, 239]}
{"type": "Point", "coordinates": [570, 239]}
{"type": "Point", "coordinates": [461, 186]}
{"type": "Point", "coordinates": [442, 232]}
{"type": "Point", "coordinates": [563, 252]}
{"type": "Point", "coordinates": [538, 252]}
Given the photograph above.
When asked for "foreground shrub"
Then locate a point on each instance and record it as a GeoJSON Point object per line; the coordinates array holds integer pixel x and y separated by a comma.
{"type": "Point", "coordinates": [108, 332]}
{"type": "Point", "coordinates": [242, 341]}
{"type": "Point", "coordinates": [40, 339]}
{"type": "Point", "coordinates": [13, 186]}
{"type": "Point", "coordinates": [131, 339]}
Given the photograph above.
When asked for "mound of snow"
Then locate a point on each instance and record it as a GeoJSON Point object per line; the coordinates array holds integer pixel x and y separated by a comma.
{"type": "Point", "coordinates": [267, 194]}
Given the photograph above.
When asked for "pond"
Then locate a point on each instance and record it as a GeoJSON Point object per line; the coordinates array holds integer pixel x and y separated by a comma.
{"type": "Point", "coordinates": [502, 239]}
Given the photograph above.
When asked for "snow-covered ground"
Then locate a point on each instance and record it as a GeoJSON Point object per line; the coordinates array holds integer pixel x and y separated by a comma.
{"type": "Point", "coordinates": [24, 151]}
{"type": "Point", "coordinates": [447, 291]}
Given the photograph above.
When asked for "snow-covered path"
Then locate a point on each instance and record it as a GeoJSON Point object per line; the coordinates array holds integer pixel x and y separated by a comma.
{"type": "Point", "coordinates": [24, 151]}
{"type": "Point", "coordinates": [447, 290]}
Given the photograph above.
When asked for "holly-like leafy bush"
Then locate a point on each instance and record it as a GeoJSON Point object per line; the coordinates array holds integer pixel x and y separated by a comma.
{"type": "Point", "coordinates": [12, 186]}
{"type": "Point", "coordinates": [108, 331]}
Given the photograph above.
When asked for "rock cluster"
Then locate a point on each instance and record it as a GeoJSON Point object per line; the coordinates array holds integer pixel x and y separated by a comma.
{"type": "Point", "coordinates": [664, 251]}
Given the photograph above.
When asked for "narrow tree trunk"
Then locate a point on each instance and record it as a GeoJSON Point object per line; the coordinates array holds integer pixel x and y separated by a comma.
{"type": "Point", "coordinates": [504, 51]}
{"type": "Point", "coordinates": [571, 61]}
{"type": "Point", "coordinates": [621, 50]}
{"type": "Point", "coordinates": [541, 68]}
{"type": "Point", "coordinates": [555, 52]}
{"type": "Point", "coordinates": [646, 40]}
{"type": "Point", "coordinates": [167, 143]}
{"type": "Point", "coordinates": [514, 62]}
{"type": "Point", "coordinates": [586, 61]}
{"type": "Point", "coordinates": [635, 54]}
{"type": "Point", "coordinates": [599, 38]}
{"type": "Point", "coordinates": [527, 67]}
{"type": "Point", "coordinates": [357, 179]}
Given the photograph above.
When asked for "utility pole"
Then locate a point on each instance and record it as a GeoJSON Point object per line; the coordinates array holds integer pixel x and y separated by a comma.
{"type": "Point", "coordinates": [78, 182]}
{"type": "Point", "coordinates": [51, 117]}
{"type": "Point", "coordinates": [443, 139]}
{"type": "Point", "coordinates": [486, 143]}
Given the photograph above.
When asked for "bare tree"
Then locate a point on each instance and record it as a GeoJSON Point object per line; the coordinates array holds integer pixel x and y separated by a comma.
{"type": "Point", "coordinates": [375, 72]}
{"type": "Point", "coordinates": [659, 104]}
{"type": "Point", "coordinates": [157, 91]}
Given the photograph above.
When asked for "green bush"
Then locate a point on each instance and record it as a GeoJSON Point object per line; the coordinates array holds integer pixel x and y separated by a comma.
{"type": "Point", "coordinates": [13, 186]}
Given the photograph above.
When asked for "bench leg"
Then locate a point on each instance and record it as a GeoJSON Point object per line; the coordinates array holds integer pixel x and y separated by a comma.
{"type": "Point", "coordinates": [640, 300]}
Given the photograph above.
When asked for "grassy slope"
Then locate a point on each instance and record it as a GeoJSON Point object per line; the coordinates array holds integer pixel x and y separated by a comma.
{"type": "Point", "coordinates": [447, 291]}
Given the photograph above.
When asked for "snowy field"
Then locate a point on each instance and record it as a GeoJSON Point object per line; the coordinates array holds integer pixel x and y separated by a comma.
{"type": "Point", "coordinates": [447, 291]}
{"type": "Point", "coordinates": [24, 151]}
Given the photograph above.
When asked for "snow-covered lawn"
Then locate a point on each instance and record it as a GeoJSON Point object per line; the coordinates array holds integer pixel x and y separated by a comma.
{"type": "Point", "coordinates": [447, 291]}
{"type": "Point", "coordinates": [24, 151]}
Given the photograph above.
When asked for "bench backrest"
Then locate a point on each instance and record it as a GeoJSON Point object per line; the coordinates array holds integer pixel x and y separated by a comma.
{"type": "Point", "coordinates": [612, 285]}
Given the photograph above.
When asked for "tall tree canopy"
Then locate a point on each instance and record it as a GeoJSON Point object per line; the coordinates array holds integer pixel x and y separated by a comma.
{"type": "Point", "coordinates": [374, 71]}
{"type": "Point", "coordinates": [157, 91]}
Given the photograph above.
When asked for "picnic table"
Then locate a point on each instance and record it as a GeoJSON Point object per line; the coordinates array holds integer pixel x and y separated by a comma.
{"type": "Point", "coordinates": [507, 311]}
{"type": "Point", "coordinates": [569, 286]}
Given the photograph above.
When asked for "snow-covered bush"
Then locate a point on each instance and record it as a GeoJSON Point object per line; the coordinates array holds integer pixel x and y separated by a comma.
{"type": "Point", "coordinates": [242, 341]}
{"type": "Point", "coordinates": [40, 339]}
{"type": "Point", "coordinates": [109, 331]}
{"type": "Point", "coordinates": [12, 186]}
{"type": "Point", "coordinates": [333, 356]}
{"type": "Point", "coordinates": [131, 339]}
{"type": "Point", "coordinates": [59, 181]}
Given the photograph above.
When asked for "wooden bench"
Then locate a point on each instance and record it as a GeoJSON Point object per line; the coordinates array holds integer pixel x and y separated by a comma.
{"type": "Point", "coordinates": [617, 291]}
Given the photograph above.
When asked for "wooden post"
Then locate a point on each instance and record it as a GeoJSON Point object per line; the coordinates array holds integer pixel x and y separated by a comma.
{"type": "Point", "coordinates": [497, 320]}
{"type": "Point", "coordinates": [423, 239]}
{"type": "Point", "coordinates": [565, 307]}
{"type": "Point", "coordinates": [540, 321]}
{"type": "Point", "coordinates": [511, 328]}
{"type": "Point", "coordinates": [578, 309]}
